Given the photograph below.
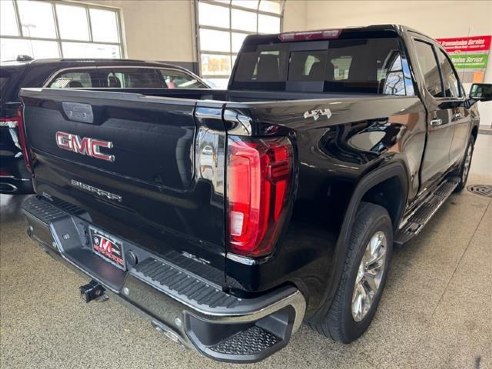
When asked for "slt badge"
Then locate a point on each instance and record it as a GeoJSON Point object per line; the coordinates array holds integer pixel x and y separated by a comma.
{"type": "Point", "coordinates": [316, 113]}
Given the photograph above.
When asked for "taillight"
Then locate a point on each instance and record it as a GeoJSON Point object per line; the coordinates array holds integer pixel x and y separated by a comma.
{"type": "Point", "coordinates": [327, 34]}
{"type": "Point", "coordinates": [259, 173]}
{"type": "Point", "coordinates": [23, 140]}
{"type": "Point", "coordinates": [16, 123]}
{"type": "Point", "coordinates": [9, 122]}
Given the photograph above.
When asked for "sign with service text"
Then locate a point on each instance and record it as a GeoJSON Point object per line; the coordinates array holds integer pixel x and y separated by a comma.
{"type": "Point", "coordinates": [469, 55]}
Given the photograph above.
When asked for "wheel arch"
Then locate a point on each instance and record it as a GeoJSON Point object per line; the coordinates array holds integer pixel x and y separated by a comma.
{"type": "Point", "coordinates": [390, 179]}
{"type": "Point", "coordinates": [391, 195]}
{"type": "Point", "coordinates": [366, 189]}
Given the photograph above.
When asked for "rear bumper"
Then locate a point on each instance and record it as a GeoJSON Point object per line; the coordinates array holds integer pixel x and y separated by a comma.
{"type": "Point", "coordinates": [184, 306]}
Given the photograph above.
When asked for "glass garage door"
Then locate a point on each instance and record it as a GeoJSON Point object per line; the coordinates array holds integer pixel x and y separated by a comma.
{"type": "Point", "coordinates": [222, 27]}
{"type": "Point", "coordinates": [56, 29]}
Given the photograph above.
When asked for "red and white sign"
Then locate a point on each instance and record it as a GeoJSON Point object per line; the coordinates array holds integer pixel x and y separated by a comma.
{"type": "Point", "coordinates": [466, 44]}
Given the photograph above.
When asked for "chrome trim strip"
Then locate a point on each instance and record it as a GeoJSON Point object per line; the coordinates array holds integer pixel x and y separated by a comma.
{"type": "Point", "coordinates": [240, 259]}
{"type": "Point", "coordinates": [242, 123]}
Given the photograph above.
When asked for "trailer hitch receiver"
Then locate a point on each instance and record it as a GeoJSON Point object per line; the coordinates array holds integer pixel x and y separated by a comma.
{"type": "Point", "coordinates": [92, 291]}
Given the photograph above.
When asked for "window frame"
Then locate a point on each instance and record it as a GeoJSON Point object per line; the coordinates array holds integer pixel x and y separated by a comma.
{"type": "Point", "coordinates": [231, 53]}
{"type": "Point", "coordinates": [58, 39]}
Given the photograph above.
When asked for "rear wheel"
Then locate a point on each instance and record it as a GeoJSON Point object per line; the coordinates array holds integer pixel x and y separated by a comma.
{"type": "Point", "coordinates": [363, 279]}
{"type": "Point", "coordinates": [465, 166]}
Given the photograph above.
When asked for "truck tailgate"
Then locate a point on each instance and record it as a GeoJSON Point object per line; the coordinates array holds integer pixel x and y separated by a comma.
{"type": "Point", "coordinates": [128, 161]}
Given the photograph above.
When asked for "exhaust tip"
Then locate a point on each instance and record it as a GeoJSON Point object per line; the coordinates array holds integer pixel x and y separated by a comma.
{"type": "Point", "coordinates": [7, 188]}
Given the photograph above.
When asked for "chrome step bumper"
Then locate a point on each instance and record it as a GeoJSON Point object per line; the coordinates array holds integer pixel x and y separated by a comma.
{"type": "Point", "coordinates": [185, 306]}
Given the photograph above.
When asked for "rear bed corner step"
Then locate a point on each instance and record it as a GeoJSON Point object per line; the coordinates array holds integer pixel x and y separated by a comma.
{"type": "Point", "coordinates": [249, 342]}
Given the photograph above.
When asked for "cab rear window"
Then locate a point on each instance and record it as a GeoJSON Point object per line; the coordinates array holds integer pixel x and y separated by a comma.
{"type": "Point", "coordinates": [363, 65]}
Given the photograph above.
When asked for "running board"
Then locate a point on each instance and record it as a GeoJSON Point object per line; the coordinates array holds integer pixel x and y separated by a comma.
{"type": "Point", "coordinates": [419, 218]}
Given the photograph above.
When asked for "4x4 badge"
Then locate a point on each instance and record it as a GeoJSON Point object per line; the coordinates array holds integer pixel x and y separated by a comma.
{"type": "Point", "coordinates": [316, 113]}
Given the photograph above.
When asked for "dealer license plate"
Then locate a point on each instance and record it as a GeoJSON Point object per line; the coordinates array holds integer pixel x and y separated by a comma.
{"type": "Point", "coordinates": [107, 247]}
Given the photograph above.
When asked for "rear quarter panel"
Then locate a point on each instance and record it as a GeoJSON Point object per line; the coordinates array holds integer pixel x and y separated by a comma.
{"type": "Point", "coordinates": [333, 153]}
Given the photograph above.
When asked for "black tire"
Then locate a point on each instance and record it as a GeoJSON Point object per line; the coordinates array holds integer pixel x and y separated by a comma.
{"type": "Point", "coordinates": [336, 321]}
{"type": "Point", "coordinates": [464, 171]}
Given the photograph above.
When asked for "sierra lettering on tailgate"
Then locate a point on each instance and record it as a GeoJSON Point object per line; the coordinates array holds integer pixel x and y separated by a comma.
{"type": "Point", "coordinates": [85, 146]}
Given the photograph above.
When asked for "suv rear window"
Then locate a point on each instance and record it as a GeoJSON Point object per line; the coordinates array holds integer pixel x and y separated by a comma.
{"type": "Point", "coordinates": [72, 80]}
{"type": "Point", "coordinates": [364, 65]}
{"type": "Point", "coordinates": [7, 77]}
{"type": "Point", "coordinates": [4, 80]}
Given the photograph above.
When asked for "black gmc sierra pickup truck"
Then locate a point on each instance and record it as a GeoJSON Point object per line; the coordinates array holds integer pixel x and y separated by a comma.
{"type": "Point", "coordinates": [230, 217]}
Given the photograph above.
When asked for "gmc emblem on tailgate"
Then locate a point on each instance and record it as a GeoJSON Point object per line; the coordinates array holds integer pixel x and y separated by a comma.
{"type": "Point", "coordinates": [84, 146]}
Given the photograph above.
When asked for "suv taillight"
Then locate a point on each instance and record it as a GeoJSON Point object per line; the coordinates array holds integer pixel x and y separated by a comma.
{"type": "Point", "coordinates": [259, 173]}
{"type": "Point", "coordinates": [11, 122]}
{"type": "Point", "coordinates": [16, 123]}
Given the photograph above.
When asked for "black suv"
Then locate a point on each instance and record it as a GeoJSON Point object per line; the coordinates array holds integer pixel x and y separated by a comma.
{"type": "Point", "coordinates": [15, 177]}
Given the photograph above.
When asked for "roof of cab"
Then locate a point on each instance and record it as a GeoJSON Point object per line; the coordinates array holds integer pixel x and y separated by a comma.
{"type": "Point", "coordinates": [88, 61]}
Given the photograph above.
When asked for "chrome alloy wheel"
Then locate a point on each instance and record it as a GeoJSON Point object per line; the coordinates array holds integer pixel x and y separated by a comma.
{"type": "Point", "coordinates": [369, 275]}
{"type": "Point", "coordinates": [466, 164]}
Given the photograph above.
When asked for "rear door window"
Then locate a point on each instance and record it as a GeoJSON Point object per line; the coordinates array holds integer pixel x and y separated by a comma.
{"type": "Point", "coordinates": [148, 78]}
{"type": "Point", "coordinates": [449, 78]}
{"type": "Point", "coordinates": [109, 78]}
{"type": "Point", "coordinates": [73, 79]}
{"type": "Point", "coordinates": [361, 65]}
{"type": "Point", "coordinates": [178, 79]}
{"type": "Point", "coordinates": [133, 78]}
{"type": "Point", "coordinates": [125, 77]}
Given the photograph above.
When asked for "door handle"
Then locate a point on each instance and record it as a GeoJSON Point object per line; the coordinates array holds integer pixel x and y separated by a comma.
{"type": "Point", "coordinates": [458, 116]}
{"type": "Point", "coordinates": [435, 122]}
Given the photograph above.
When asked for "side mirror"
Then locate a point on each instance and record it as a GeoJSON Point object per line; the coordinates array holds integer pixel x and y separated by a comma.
{"type": "Point", "coordinates": [481, 92]}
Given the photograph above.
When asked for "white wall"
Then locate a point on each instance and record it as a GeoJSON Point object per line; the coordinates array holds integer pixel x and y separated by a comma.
{"type": "Point", "coordinates": [164, 30]}
{"type": "Point", "coordinates": [434, 18]}
{"type": "Point", "coordinates": [295, 15]}
{"type": "Point", "coordinates": [156, 30]}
